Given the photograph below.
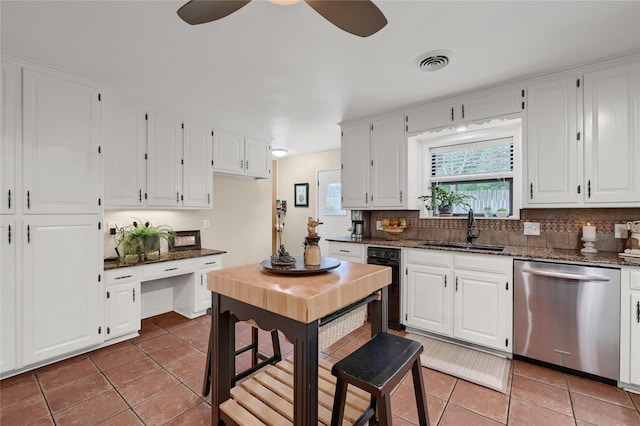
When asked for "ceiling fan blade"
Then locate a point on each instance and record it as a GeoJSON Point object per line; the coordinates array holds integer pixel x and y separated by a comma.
{"type": "Point", "coordinates": [358, 17]}
{"type": "Point", "coordinates": [197, 12]}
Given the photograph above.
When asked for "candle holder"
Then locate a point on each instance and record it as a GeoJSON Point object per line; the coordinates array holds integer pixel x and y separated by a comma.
{"type": "Point", "coordinates": [588, 246]}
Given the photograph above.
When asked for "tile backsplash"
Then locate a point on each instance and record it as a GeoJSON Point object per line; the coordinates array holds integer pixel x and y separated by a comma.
{"type": "Point", "coordinates": [559, 228]}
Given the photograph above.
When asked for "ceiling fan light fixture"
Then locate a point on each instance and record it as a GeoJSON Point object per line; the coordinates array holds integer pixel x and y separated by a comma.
{"type": "Point", "coordinates": [279, 152]}
{"type": "Point", "coordinates": [284, 2]}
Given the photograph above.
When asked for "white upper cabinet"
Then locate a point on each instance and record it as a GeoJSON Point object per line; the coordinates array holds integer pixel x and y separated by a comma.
{"type": "Point", "coordinates": [235, 155]}
{"type": "Point", "coordinates": [356, 167]}
{"type": "Point", "coordinates": [61, 288]}
{"type": "Point", "coordinates": [552, 145]}
{"type": "Point", "coordinates": [8, 149]}
{"type": "Point", "coordinates": [612, 134]}
{"type": "Point", "coordinates": [388, 157]}
{"type": "Point", "coordinates": [228, 152]}
{"type": "Point", "coordinates": [164, 161]}
{"type": "Point", "coordinates": [124, 150]}
{"type": "Point", "coordinates": [373, 164]}
{"type": "Point", "coordinates": [197, 168]}
{"type": "Point", "coordinates": [582, 139]}
{"type": "Point", "coordinates": [257, 158]}
{"type": "Point", "coordinates": [60, 127]}
{"type": "Point", "coordinates": [465, 109]}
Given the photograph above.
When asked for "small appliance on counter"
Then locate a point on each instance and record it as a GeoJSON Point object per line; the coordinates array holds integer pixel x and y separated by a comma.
{"type": "Point", "coordinates": [357, 225]}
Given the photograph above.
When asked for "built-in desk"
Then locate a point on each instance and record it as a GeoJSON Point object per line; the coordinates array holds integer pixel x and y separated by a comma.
{"type": "Point", "coordinates": [177, 281]}
{"type": "Point", "coordinates": [293, 305]}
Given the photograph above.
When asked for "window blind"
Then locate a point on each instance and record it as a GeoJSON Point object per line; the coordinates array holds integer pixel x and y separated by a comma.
{"type": "Point", "coordinates": [475, 160]}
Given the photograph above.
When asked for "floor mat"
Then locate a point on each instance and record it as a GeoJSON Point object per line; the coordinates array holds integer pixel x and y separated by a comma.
{"type": "Point", "coordinates": [482, 368]}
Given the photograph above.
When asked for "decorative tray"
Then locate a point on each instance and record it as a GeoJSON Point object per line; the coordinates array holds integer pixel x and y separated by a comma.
{"type": "Point", "coordinates": [299, 268]}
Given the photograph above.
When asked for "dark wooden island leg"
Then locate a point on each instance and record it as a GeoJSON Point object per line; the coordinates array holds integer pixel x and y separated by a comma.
{"type": "Point", "coordinates": [222, 357]}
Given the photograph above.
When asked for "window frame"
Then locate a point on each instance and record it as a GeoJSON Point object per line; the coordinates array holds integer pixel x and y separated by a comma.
{"type": "Point", "coordinates": [496, 129]}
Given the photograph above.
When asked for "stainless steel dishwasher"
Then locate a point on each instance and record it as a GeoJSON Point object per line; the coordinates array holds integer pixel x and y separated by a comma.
{"type": "Point", "coordinates": [568, 315]}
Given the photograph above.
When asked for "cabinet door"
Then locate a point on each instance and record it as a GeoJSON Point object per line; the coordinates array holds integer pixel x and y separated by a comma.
{"type": "Point", "coordinates": [491, 104]}
{"type": "Point", "coordinates": [429, 298]}
{"type": "Point", "coordinates": [431, 116]}
{"type": "Point", "coordinates": [124, 148]}
{"type": "Point", "coordinates": [634, 373]}
{"type": "Point", "coordinates": [480, 309]}
{"type": "Point", "coordinates": [228, 152]}
{"type": "Point", "coordinates": [356, 167]}
{"type": "Point", "coordinates": [9, 116]}
{"type": "Point", "coordinates": [60, 145]}
{"type": "Point", "coordinates": [552, 150]}
{"type": "Point", "coordinates": [197, 170]}
{"type": "Point", "coordinates": [164, 158]}
{"type": "Point", "coordinates": [612, 131]}
{"type": "Point", "coordinates": [62, 294]}
{"type": "Point", "coordinates": [387, 154]}
{"type": "Point", "coordinates": [123, 301]}
{"type": "Point", "coordinates": [8, 302]}
{"type": "Point", "coordinates": [257, 158]}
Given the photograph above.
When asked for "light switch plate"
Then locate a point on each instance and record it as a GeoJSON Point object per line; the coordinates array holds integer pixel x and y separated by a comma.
{"type": "Point", "coordinates": [378, 225]}
{"type": "Point", "coordinates": [621, 231]}
{"type": "Point", "coordinates": [531, 228]}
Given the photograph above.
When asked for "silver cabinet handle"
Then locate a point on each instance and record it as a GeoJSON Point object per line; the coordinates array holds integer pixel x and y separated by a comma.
{"type": "Point", "coordinates": [122, 277]}
{"type": "Point", "coordinates": [565, 275]}
{"type": "Point", "coordinates": [211, 263]}
{"type": "Point", "coordinates": [344, 251]}
{"type": "Point", "coordinates": [170, 269]}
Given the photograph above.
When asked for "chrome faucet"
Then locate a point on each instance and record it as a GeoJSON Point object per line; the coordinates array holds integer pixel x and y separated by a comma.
{"type": "Point", "coordinates": [471, 223]}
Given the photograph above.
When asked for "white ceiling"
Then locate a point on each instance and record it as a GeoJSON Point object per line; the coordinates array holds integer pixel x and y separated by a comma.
{"type": "Point", "coordinates": [285, 74]}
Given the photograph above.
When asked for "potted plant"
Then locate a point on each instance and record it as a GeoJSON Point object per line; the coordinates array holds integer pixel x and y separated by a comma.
{"type": "Point", "coordinates": [444, 199]}
{"type": "Point", "coordinates": [502, 212]}
{"type": "Point", "coordinates": [488, 211]}
{"type": "Point", "coordinates": [140, 240]}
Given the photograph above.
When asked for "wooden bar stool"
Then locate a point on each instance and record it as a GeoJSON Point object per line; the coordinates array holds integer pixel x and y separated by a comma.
{"type": "Point", "coordinates": [377, 368]}
{"type": "Point", "coordinates": [258, 359]}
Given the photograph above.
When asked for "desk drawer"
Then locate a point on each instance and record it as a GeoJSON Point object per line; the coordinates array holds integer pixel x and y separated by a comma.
{"type": "Point", "coordinates": [168, 269]}
{"type": "Point", "coordinates": [353, 252]}
{"type": "Point", "coordinates": [210, 262]}
{"type": "Point", "coordinates": [121, 275]}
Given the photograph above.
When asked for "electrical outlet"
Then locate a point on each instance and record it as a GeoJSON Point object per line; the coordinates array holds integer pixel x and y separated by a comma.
{"type": "Point", "coordinates": [113, 227]}
{"type": "Point", "coordinates": [531, 228]}
{"type": "Point", "coordinates": [206, 223]}
{"type": "Point", "coordinates": [621, 231]}
{"type": "Point", "coordinates": [378, 225]}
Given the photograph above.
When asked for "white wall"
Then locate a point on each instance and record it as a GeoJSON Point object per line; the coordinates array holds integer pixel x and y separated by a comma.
{"type": "Point", "coordinates": [240, 221]}
{"type": "Point", "coordinates": [301, 169]}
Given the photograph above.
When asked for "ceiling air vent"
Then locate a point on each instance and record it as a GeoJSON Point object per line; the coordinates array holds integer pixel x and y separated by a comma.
{"type": "Point", "coordinates": [434, 60]}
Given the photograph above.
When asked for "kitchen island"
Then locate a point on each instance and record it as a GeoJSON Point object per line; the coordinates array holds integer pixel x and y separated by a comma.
{"type": "Point", "coordinates": [293, 304]}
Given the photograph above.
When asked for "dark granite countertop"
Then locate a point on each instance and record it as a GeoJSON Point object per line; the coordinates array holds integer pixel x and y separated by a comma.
{"type": "Point", "coordinates": [527, 253]}
{"type": "Point", "coordinates": [165, 257]}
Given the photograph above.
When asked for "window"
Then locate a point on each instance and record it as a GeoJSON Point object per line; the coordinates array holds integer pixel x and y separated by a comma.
{"type": "Point", "coordinates": [332, 201]}
{"type": "Point", "coordinates": [483, 164]}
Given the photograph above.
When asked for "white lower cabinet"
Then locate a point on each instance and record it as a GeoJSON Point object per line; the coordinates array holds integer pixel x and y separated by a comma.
{"type": "Point", "coordinates": [61, 286]}
{"type": "Point", "coordinates": [460, 295]}
{"type": "Point", "coordinates": [8, 301]}
{"type": "Point", "coordinates": [630, 327]}
{"type": "Point", "coordinates": [349, 252]}
{"type": "Point", "coordinates": [202, 293]}
{"type": "Point", "coordinates": [123, 302]}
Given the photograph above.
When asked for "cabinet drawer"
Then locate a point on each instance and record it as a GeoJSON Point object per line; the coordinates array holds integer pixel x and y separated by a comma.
{"type": "Point", "coordinates": [484, 263]}
{"type": "Point", "coordinates": [429, 257]}
{"type": "Point", "coordinates": [122, 275]}
{"type": "Point", "coordinates": [210, 262]}
{"type": "Point", "coordinates": [634, 282]}
{"type": "Point", "coordinates": [347, 250]}
{"type": "Point", "coordinates": [168, 269]}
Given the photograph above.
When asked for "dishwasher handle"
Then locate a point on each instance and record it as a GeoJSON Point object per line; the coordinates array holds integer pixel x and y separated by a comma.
{"type": "Point", "coordinates": [565, 275]}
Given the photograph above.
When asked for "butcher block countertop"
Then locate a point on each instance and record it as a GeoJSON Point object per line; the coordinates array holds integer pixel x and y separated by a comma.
{"type": "Point", "coordinates": [303, 298]}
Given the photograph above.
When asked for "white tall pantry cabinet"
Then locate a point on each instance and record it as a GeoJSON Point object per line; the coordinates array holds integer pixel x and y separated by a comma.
{"type": "Point", "coordinates": [51, 259]}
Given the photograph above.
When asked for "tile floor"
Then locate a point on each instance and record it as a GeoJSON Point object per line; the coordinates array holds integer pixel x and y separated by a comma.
{"type": "Point", "coordinates": [156, 379]}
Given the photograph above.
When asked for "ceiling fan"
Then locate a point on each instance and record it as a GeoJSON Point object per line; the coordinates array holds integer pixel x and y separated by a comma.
{"type": "Point", "coordinates": [358, 17]}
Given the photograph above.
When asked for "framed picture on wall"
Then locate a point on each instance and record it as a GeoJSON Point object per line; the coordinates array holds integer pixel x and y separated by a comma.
{"type": "Point", "coordinates": [301, 194]}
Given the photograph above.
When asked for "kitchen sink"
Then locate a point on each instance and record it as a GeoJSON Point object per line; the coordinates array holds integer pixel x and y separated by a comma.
{"type": "Point", "coordinates": [463, 246]}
